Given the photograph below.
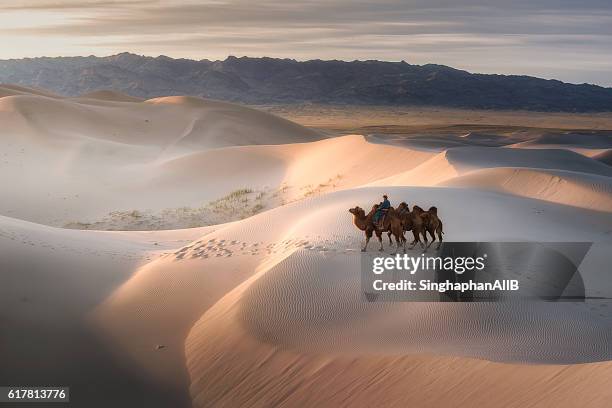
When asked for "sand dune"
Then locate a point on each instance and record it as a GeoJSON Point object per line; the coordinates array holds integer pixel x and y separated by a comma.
{"type": "Point", "coordinates": [53, 149]}
{"type": "Point", "coordinates": [590, 140]}
{"type": "Point", "coordinates": [143, 175]}
{"type": "Point", "coordinates": [266, 310]}
{"type": "Point", "coordinates": [442, 141]}
{"type": "Point", "coordinates": [586, 143]}
{"type": "Point", "coordinates": [313, 309]}
{"type": "Point", "coordinates": [161, 122]}
{"type": "Point", "coordinates": [270, 257]}
{"type": "Point", "coordinates": [604, 157]}
{"type": "Point", "coordinates": [354, 363]}
{"type": "Point", "coordinates": [299, 311]}
{"type": "Point", "coordinates": [301, 170]}
{"type": "Point", "coordinates": [454, 162]}
{"type": "Point", "coordinates": [109, 95]}
{"type": "Point", "coordinates": [556, 175]}
{"type": "Point", "coordinates": [52, 279]}
{"type": "Point", "coordinates": [563, 187]}
{"type": "Point", "coordinates": [479, 157]}
{"type": "Point", "coordinates": [432, 172]}
{"type": "Point", "coordinates": [10, 90]}
{"type": "Point", "coordinates": [160, 150]}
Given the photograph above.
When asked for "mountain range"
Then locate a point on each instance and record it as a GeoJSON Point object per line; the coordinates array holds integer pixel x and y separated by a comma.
{"type": "Point", "coordinates": [281, 81]}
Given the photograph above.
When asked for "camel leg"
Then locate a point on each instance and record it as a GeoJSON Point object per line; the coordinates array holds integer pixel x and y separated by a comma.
{"type": "Point", "coordinates": [439, 238]}
{"type": "Point", "coordinates": [389, 235]}
{"type": "Point", "coordinates": [379, 236]}
{"type": "Point", "coordinates": [365, 247]}
{"type": "Point", "coordinates": [416, 239]}
{"type": "Point", "coordinates": [424, 246]}
{"type": "Point", "coordinates": [397, 242]}
{"type": "Point", "coordinates": [433, 239]}
{"type": "Point", "coordinates": [368, 236]}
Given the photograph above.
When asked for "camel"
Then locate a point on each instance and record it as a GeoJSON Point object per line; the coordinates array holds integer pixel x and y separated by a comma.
{"type": "Point", "coordinates": [432, 223]}
{"type": "Point", "coordinates": [412, 221]}
{"type": "Point", "coordinates": [391, 224]}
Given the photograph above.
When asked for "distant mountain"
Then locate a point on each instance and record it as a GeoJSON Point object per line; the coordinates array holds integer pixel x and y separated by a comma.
{"type": "Point", "coordinates": [270, 80]}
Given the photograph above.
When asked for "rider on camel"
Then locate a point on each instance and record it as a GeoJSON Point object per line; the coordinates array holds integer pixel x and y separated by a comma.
{"type": "Point", "coordinates": [382, 209]}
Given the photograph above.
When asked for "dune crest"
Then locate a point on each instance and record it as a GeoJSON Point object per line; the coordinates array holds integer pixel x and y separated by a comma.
{"type": "Point", "coordinates": [11, 89]}
{"type": "Point", "coordinates": [563, 187]}
{"type": "Point", "coordinates": [110, 95]}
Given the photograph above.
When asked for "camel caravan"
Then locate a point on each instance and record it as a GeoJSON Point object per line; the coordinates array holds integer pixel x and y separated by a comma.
{"type": "Point", "coordinates": [395, 221]}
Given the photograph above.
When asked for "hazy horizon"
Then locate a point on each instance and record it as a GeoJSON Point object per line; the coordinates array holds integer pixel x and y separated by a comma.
{"type": "Point", "coordinates": [543, 38]}
{"type": "Point", "coordinates": [295, 59]}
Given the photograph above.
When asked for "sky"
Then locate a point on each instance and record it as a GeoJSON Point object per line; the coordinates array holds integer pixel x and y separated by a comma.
{"type": "Point", "coordinates": [561, 39]}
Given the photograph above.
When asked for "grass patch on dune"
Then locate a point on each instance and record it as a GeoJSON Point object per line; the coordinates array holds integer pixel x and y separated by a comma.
{"type": "Point", "coordinates": [237, 200]}
{"type": "Point", "coordinates": [236, 205]}
{"type": "Point", "coordinates": [330, 185]}
{"type": "Point", "coordinates": [239, 193]}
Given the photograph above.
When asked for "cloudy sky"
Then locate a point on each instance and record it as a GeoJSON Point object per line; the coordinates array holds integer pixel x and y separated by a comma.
{"type": "Point", "coordinates": [567, 40]}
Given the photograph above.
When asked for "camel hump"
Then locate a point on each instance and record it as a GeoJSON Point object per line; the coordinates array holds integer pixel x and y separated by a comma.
{"type": "Point", "coordinates": [433, 210]}
{"type": "Point", "coordinates": [417, 208]}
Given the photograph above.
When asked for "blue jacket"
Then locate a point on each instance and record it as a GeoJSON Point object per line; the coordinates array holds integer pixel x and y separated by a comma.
{"type": "Point", "coordinates": [384, 205]}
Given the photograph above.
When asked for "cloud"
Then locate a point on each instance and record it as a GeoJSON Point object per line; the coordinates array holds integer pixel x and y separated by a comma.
{"type": "Point", "coordinates": [491, 35]}
{"type": "Point", "coordinates": [69, 4]}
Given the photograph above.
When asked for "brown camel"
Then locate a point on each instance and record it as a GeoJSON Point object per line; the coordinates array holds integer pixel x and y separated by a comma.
{"type": "Point", "coordinates": [432, 224]}
{"type": "Point", "coordinates": [418, 213]}
{"type": "Point", "coordinates": [391, 223]}
{"type": "Point", "coordinates": [412, 221]}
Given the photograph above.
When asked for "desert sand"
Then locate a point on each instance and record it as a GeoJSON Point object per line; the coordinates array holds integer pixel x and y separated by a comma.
{"type": "Point", "coordinates": [259, 304]}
